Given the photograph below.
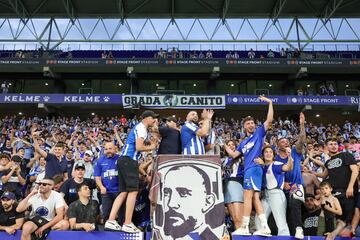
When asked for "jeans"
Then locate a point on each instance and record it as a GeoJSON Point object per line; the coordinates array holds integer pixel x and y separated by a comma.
{"type": "Point", "coordinates": [107, 201]}
{"type": "Point", "coordinates": [294, 214]}
{"type": "Point", "coordinates": [274, 202]}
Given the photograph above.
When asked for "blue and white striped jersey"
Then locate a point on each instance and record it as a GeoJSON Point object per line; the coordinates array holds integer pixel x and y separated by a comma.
{"type": "Point", "coordinates": [129, 149]}
{"type": "Point", "coordinates": [191, 143]}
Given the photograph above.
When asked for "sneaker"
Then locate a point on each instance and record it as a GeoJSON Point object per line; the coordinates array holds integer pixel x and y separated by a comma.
{"type": "Point", "coordinates": [242, 231]}
{"type": "Point", "coordinates": [130, 228]}
{"type": "Point", "coordinates": [264, 231]}
{"type": "Point", "coordinates": [112, 225]}
{"type": "Point", "coordinates": [299, 234]}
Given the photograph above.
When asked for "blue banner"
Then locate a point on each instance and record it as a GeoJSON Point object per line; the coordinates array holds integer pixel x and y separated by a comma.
{"type": "Point", "coordinates": [62, 98]}
{"type": "Point", "coordinates": [294, 100]}
{"type": "Point", "coordinates": [192, 101]}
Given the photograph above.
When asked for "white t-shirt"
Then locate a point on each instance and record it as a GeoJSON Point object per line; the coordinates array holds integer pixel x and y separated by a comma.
{"type": "Point", "coordinates": [47, 208]}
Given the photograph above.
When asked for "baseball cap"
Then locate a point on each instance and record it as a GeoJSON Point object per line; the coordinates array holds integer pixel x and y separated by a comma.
{"type": "Point", "coordinates": [171, 119]}
{"type": "Point", "coordinates": [309, 195]}
{"type": "Point", "coordinates": [149, 113]}
{"type": "Point", "coordinates": [79, 165]}
{"type": "Point", "coordinates": [8, 195]}
{"type": "Point", "coordinates": [88, 152]}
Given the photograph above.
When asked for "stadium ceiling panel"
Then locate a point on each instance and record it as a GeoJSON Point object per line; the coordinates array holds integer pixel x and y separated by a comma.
{"type": "Point", "coordinates": [179, 9]}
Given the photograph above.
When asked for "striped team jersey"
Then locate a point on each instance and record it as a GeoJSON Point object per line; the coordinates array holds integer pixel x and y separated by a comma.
{"type": "Point", "coordinates": [235, 170]}
{"type": "Point", "coordinates": [191, 143]}
{"type": "Point", "coordinates": [129, 149]}
{"type": "Point", "coordinates": [274, 175]}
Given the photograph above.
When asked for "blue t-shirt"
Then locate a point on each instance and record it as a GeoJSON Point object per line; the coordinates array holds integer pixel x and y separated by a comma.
{"type": "Point", "coordinates": [54, 166]}
{"type": "Point", "coordinates": [106, 169]}
{"type": "Point", "coordinates": [274, 175]}
{"type": "Point", "coordinates": [293, 176]}
{"type": "Point", "coordinates": [251, 147]}
{"type": "Point", "coordinates": [191, 143]}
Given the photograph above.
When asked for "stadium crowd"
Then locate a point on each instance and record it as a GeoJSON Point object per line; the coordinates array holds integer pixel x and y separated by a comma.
{"type": "Point", "coordinates": [66, 173]}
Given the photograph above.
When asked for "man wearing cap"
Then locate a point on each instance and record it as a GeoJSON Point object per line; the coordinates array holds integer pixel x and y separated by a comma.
{"type": "Point", "coordinates": [47, 210]}
{"type": "Point", "coordinates": [311, 215]}
{"type": "Point", "coordinates": [127, 166]}
{"type": "Point", "coordinates": [87, 160]}
{"type": "Point", "coordinates": [68, 188]}
{"type": "Point", "coordinates": [191, 134]}
{"type": "Point", "coordinates": [13, 179]}
{"type": "Point", "coordinates": [170, 137]}
{"type": "Point", "coordinates": [10, 219]}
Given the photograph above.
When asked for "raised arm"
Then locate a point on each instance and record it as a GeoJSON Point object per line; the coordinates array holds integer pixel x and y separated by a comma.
{"type": "Point", "coordinates": [205, 128]}
{"type": "Point", "coordinates": [270, 115]}
{"type": "Point", "coordinates": [289, 165]}
{"type": "Point", "coordinates": [302, 136]}
{"type": "Point", "coordinates": [37, 148]}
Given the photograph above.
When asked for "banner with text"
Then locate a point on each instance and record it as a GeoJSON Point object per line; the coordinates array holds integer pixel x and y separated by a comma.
{"type": "Point", "coordinates": [173, 101]}
{"type": "Point", "coordinates": [294, 100]}
{"type": "Point", "coordinates": [61, 98]}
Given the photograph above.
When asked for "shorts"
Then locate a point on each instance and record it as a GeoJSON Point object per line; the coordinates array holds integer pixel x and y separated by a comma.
{"type": "Point", "coordinates": [39, 221]}
{"type": "Point", "coordinates": [234, 192]}
{"type": "Point", "coordinates": [253, 178]}
{"type": "Point", "coordinates": [347, 206]}
{"type": "Point", "coordinates": [128, 170]}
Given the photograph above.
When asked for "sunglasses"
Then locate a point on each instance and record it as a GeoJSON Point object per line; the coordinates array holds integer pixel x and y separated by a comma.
{"type": "Point", "coordinates": [44, 184]}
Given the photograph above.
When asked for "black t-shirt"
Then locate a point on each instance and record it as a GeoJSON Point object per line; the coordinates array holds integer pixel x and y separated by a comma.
{"type": "Point", "coordinates": [314, 135]}
{"type": "Point", "coordinates": [9, 218]}
{"type": "Point", "coordinates": [311, 222]}
{"type": "Point", "coordinates": [83, 213]}
{"type": "Point", "coordinates": [69, 189]}
{"type": "Point", "coordinates": [70, 165]}
{"type": "Point", "coordinates": [6, 150]}
{"type": "Point", "coordinates": [170, 141]}
{"type": "Point", "coordinates": [339, 171]}
{"type": "Point", "coordinates": [54, 166]}
{"type": "Point", "coordinates": [13, 185]}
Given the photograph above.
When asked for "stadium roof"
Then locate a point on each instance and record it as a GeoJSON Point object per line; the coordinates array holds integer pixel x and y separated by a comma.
{"type": "Point", "coordinates": [179, 8]}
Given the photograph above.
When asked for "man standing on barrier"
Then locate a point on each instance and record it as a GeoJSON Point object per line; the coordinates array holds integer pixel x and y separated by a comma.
{"type": "Point", "coordinates": [191, 134]}
{"type": "Point", "coordinates": [251, 148]}
{"type": "Point", "coordinates": [127, 166]}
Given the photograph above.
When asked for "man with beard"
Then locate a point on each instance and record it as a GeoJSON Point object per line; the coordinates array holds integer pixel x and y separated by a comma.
{"type": "Point", "coordinates": [10, 219]}
{"type": "Point", "coordinates": [311, 215]}
{"type": "Point", "coordinates": [294, 183]}
{"type": "Point", "coordinates": [127, 167]}
{"type": "Point", "coordinates": [47, 211]}
{"type": "Point", "coordinates": [186, 202]}
{"type": "Point", "coordinates": [251, 148]}
{"type": "Point", "coordinates": [106, 177]}
{"type": "Point", "coordinates": [341, 172]}
{"type": "Point", "coordinates": [191, 134]}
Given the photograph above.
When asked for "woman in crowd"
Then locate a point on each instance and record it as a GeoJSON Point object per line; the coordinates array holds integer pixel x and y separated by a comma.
{"type": "Point", "coordinates": [274, 200]}
{"type": "Point", "coordinates": [233, 190]}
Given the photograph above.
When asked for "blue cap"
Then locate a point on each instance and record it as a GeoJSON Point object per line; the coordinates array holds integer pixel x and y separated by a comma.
{"type": "Point", "coordinates": [8, 195]}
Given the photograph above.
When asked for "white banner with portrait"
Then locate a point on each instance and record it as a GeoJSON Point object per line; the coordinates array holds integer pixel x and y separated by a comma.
{"type": "Point", "coordinates": [174, 101]}
{"type": "Point", "coordinates": [187, 191]}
